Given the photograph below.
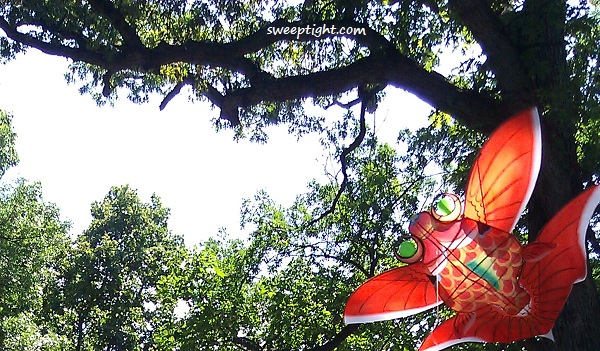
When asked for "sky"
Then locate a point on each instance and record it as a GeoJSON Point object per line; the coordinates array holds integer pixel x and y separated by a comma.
{"type": "Point", "coordinates": [78, 150]}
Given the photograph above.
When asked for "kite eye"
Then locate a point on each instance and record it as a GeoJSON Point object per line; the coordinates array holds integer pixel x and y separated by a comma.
{"type": "Point", "coordinates": [446, 207]}
{"type": "Point", "coordinates": [408, 249]}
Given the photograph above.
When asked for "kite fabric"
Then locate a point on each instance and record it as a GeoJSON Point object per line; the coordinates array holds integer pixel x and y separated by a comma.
{"type": "Point", "coordinates": [464, 255]}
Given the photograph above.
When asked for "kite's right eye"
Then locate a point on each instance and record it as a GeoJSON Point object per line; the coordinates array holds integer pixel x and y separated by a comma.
{"type": "Point", "coordinates": [446, 208]}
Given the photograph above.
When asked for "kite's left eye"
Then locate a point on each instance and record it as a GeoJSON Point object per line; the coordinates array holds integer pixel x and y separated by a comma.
{"type": "Point", "coordinates": [408, 249]}
{"type": "Point", "coordinates": [446, 207]}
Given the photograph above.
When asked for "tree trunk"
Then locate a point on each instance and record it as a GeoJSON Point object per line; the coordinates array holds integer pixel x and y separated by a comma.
{"type": "Point", "coordinates": [79, 346]}
{"type": "Point", "coordinates": [560, 178]}
{"type": "Point", "coordinates": [2, 334]}
{"type": "Point", "coordinates": [559, 182]}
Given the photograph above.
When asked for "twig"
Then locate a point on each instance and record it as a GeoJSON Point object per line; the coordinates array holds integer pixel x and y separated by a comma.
{"type": "Point", "coordinates": [355, 144]}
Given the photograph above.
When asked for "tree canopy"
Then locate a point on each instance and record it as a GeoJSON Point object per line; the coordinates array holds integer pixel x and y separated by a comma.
{"type": "Point", "coordinates": [32, 238]}
{"type": "Point", "coordinates": [513, 55]}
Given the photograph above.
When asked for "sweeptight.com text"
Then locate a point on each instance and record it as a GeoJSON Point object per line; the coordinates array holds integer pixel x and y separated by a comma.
{"type": "Point", "coordinates": [315, 31]}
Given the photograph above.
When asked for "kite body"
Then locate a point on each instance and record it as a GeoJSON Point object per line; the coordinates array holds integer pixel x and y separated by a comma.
{"type": "Point", "coordinates": [483, 269]}
{"type": "Point", "coordinates": [466, 257]}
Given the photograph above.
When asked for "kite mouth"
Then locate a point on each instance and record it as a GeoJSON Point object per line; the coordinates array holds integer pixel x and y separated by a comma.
{"type": "Point", "coordinates": [434, 260]}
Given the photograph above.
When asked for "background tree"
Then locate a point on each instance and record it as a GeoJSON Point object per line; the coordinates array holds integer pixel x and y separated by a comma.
{"type": "Point", "coordinates": [32, 237]}
{"type": "Point", "coordinates": [532, 52]}
{"type": "Point", "coordinates": [285, 287]}
{"type": "Point", "coordinates": [108, 293]}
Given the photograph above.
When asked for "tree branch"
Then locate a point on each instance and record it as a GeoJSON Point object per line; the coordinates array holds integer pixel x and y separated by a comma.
{"type": "Point", "coordinates": [342, 335]}
{"type": "Point", "coordinates": [176, 89]}
{"type": "Point", "coordinates": [76, 54]}
{"type": "Point", "coordinates": [473, 109]}
{"type": "Point", "coordinates": [266, 36]}
{"type": "Point", "coordinates": [323, 254]}
{"type": "Point", "coordinates": [502, 54]}
{"type": "Point", "coordinates": [385, 65]}
{"type": "Point", "coordinates": [591, 237]}
{"type": "Point", "coordinates": [332, 344]}
{"type": "Point", "coordinates": [247, 343]}
{"type": "Point", "coordinates": [365, 97]}
{"type": "Point", "coordinates": [108, 10]}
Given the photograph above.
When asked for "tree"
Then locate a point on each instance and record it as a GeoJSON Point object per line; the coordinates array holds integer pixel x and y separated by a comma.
{"type": "Point", "coordinates": [32, 237]}
{"type": "Point", "coordinates": [542, 53]}
{"type": "Point", "coordinates": [316, 263]}
{"type": "Point", "coordinates": [107, 294]}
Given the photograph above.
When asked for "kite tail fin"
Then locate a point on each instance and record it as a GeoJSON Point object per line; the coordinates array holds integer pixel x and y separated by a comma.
{"type": "Point", "coordinates": [549, 280]}
{"type": "Point", "coordinates": [487, 324]}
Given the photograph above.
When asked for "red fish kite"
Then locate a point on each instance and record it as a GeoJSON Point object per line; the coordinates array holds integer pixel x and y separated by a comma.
{"type": "Point", "coordinates": [464, 255]}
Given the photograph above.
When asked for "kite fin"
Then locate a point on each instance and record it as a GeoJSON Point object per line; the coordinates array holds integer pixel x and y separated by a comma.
{"type": "Point", "coordinates": [488, 324]}
{"type": "Point", "coordinates": [550, 279]}
{"type": "Point", "coordinates": [536, 251]}
{"type": "Point", "coordinates": [505, 172]}
{"type": "Point", "coordinates": [399, 292]}
{"type": "Point", "coordinates": [451, 332]}
{"type": "Point", "coordinates": [549, 335]}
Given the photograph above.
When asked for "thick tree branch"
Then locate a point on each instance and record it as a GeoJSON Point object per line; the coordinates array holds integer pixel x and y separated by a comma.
{"type": "Point", "coordinates": [76, 54]}
{"type": "Point", "coordinates": [475, 110]}
{"type": "Point", "coordinates": [337, 339]}
{"type": "Point", "coordinates": [107, 88]}
{"type": "Point", "coordinates": [108, 10]}
{"type": "Point", "coordinates": [502, 54]}
{"type": "Point", "coordinates": [385, 66]}
{"type": "Point", "coordinates": [267, 35]}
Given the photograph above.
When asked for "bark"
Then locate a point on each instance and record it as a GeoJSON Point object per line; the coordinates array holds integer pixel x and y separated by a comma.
{"type": "Point", "coordinates": [502, 52]}
{"type": "Point", "coordinates": [2, 335]}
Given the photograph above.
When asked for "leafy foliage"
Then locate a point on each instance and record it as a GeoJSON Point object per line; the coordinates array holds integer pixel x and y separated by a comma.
{"type": "Point", "coordinates": [118, 285]}
{"type": "Point", "coordinates": [311, 268]}
{"type": "Point", "coordinates": [32, 238]}
{"type": "Point", "coordinates": [108, 289]}
{"type": "Point", "coordinates": [8, 153]}
{"type": "Point", "coordinates": [445, 145]}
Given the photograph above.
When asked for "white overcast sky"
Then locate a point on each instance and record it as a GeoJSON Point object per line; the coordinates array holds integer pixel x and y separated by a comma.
{"type": "Point", "coordinates": [78, 150]}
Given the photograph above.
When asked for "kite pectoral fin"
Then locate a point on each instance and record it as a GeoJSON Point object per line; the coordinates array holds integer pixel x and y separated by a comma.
{"type": "Point", "coordinates": [399, 292]}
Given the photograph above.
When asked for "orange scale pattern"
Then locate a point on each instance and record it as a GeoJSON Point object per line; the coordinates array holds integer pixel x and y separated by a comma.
{"type": "Point", "coordinates": [484, 273]}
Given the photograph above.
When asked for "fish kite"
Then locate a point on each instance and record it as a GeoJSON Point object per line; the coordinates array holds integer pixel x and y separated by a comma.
{"type": "Point", "coordinates": [464, 255]}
